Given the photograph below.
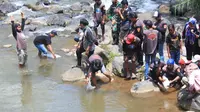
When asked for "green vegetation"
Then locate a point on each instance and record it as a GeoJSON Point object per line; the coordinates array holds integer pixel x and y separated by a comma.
{"type": "Point", "coordinates": [187, 5]}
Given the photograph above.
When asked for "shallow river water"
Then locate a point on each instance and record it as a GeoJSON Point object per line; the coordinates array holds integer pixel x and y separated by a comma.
{"type": "Point", "coordinates": [39, 88]}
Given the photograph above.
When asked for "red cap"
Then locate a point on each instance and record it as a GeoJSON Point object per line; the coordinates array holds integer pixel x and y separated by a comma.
{"type": "Point", "coordinates": [130, 38]}
{"type": "Point", "coordinates": [181, 62]}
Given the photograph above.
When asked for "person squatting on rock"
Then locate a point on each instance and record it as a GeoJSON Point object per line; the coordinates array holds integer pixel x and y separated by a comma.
{"type": "Point", "coordinates": [161, 26]}
{"type": "Point", "coordinates": [44, 45]}
{"type": "Point", "coordinates": [150, 46]}
{"type": "Point", "coordinates": [96, 64]}
{"type": "Point", "coordinates": [174, 44]}
{"type": "Point", "coordinates": [136, 27]}
{"type": "Point", "coordinates": [17, 31]}
{"type": "Point", "coordinates": [99, 17]}
{"type": "Point", "coordinates": [156, 73]}
{"type": "Point", "coordinates": [190, 33]}
{"type": "Point", "coordinates": [130, 44]}
{"type": "Point", "coordinates": [113, 15]}
{"type": "Point", "coordinates": [172, 72]}
{"type": "Point", "coordinates": [87, 44]}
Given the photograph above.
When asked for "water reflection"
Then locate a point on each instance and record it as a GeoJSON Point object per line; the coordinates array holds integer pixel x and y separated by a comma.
{"type": "Point", "coordinates": [26, 96]}
{"type": "Point", "coordinates": [45, 67]}
{"type": "Point", "coordinates": [92, 101]}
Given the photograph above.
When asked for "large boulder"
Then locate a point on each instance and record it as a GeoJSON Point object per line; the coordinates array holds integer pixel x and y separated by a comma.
{"type": "Point", "coordinates": [144, 87]}
{"type": "Point", "coordinates": [86, 8]}
{"type": "Point", "coordinates": [117, 65]}
{"type": "Point", "coordinates": [7, 7]}
{"type": "Point", "coordinates": [59, 20]}
{"type": "Point", "coordinates": [76, 6]}
{"type": "Point", "coordinates": [74, 74]}
{"type": "Point", "coordinates": [114, 49]}
{"type": "Point", "coordinates": [164, 9]}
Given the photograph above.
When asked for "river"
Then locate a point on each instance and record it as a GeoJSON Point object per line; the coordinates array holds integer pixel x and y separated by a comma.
{"type": "Point", "coordinates": [38, 87]}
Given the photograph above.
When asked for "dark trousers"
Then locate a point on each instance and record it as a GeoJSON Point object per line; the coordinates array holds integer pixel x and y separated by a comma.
{"type": "Point", "coordinates": [79, 52]}
{"type": "Point", "coordinates": [189, 51]}
{"type": "Point", "coordinates": [115, 34]}
{"type": "Point", "coordinates": [140, 55]}
{"type": "Point", "coordinates": [175, 55]}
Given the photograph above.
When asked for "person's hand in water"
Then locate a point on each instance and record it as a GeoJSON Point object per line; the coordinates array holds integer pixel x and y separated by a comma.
{"type": "Point", "coordinates": [54, 56]}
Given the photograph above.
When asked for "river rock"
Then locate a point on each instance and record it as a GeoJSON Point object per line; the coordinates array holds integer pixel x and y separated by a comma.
{"type": "Point", "coordinates": [84, 3]}
{"type": "Point", "coordinates": [164, 9]}
{"type": "Point", "coordinates": [7, 45]}
{"type": "Point", "coordinates": [74, 74]}
{"type": "Point", "coordinates": [76, 6]}
{"type": "Point", "coordinates": [117, 66]}
{"type": "Point", "coordinates": [144, 87]}
{"type": "Point", "coordinates": [114, 49]}
{"type": "Point", "coordinates": [69, 54]}
{"type": "Point", "coordinates": [34, 7]}
{"type": "Point", "coordinates": [58, 20]}
{"type": "Point", "coordinates": [86, 8]}
{"type": "Point", "coordinates": [7, 7]}
{"type": "Point", "coordinates": [65, 50]}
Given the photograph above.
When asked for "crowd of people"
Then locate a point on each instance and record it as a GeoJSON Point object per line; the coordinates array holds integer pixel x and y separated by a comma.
{"type": "Point", "coordinates": [134, 37]}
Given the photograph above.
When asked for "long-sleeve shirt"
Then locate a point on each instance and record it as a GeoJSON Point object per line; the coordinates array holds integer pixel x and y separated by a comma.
{"type": "Point", "coordinates": [88, 39]}
{"type": "Point", "coordinates": [19, 36]}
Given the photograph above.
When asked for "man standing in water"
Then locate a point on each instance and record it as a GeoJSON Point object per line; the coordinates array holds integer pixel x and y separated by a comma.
{"type": "Point", "coordinates": [162, 28]}
{"type": "Point", "coordinates": [17, 31]}
{"type": "Point", "coordinates": [99, 17]}
{"type": "Point", "coordinates": [87, 44]}
{"type": "Point", "coordinates": [44, 41]}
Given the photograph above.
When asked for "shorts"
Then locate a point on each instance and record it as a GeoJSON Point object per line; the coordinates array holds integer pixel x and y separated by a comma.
{"type": "Point", "coordinates": [22, 56]}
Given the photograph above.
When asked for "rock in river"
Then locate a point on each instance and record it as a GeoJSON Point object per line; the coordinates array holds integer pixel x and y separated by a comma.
{"type": "Point", "coordinates": [144, 87]}
{"type": "Point", "coordinates": [74, 74]}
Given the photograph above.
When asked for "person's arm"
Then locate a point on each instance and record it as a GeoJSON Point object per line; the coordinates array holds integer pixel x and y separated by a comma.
{"type": "Point", "coordinates": [14, 32]}
{"type": "Point", "coordinates": [168, 41]}
{"type": "Point", "coordinates": [103, 14]}
{"type": "Point", "coordinates": [51, 50]}
{"type": "Point", "coordinates": [23, 21]}
{"type": "Point", "coordinates": [177, 77]}
{"type": "Point", "coordinates": [106, 73]}
{"type": "Point", "coordinates": [181, 43]}
{"type": "Point", "coordinates": [162, 29]}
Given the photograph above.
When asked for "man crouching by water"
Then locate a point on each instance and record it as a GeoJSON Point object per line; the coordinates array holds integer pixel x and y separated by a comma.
{"type": "Point", "coordinates": [96, 64]}
{"type": "Point", "coordinates": [17, 31]}
{"type": "Point", "coordinates": [43, 43]}
{"type": "Point", "coordinates": [172, 72]}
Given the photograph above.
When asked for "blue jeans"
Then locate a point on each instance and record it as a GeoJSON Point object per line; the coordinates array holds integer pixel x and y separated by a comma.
{"type": "Point", "coordinates": [149, 59]}
{"type": "Point", "coordinates": [175, 55]}
{"type": "Point", "coordinates": [42, 49]}
{"type": "Point", "coordinates": [160, 50]}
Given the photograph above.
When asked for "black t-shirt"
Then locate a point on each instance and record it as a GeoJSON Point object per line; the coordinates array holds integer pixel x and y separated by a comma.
{"type": "Point", "coordinates": [173, 41]}
{"type": "Point", "coordinates": [44, 39]}
{"type": "Point", "coordinates": [130, 49]}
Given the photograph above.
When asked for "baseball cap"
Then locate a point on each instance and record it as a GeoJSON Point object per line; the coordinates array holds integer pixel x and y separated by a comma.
{"type": "Point", "coordinates": [156, 14]}
{"type": "Point", "coordinates": [196, 58]}
{"type": "Point", "coordinates": [181, 62]}
{"type": "Point", "coordinates": [54, 32]}
{"type": "Point", "coordinates": [130, 38]}
{"type": "Point", "coordinates": [148, 22]}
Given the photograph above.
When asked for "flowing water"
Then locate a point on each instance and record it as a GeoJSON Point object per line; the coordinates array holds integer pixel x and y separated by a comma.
{"type": "Point", "coordinates": [38, 87]}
